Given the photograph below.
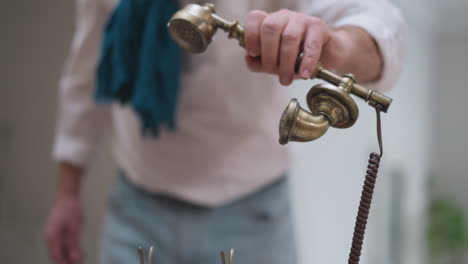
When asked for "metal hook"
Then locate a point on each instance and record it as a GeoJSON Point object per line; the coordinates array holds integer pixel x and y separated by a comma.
{"type": "Point", "coordinates": [231, 256]}
{"type": "Point", "coordinates": [141, 255]}
{"type": "Point", "coordinates": [150, 255]}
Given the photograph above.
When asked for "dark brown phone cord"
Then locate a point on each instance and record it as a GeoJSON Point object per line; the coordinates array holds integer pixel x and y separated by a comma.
{"type": "Point", "coordinates": [366, 197]}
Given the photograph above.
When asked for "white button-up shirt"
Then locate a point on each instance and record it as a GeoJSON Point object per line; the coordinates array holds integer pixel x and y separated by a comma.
{"type": "Point", "coordinates": [226, 142]}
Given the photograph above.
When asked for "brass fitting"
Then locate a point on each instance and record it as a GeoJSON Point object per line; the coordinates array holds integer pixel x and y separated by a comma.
{"type": "Point", "coordinates": [329, 105]}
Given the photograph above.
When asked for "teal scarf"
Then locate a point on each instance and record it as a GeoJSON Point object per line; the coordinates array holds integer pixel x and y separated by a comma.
{"type": "Point", "coordinates": [140, 63]}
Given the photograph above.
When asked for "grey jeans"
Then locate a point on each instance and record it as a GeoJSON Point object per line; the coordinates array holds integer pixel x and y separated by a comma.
{"type": "Point", "coordinates": [258, 226]}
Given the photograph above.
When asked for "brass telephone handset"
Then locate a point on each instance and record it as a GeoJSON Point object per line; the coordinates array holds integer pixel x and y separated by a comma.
{"type": "Point", "coordinates": [193, 28]}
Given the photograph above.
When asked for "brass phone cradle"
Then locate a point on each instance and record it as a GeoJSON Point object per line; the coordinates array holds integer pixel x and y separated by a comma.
{"type": "Point", "coordinates": [193, 28]}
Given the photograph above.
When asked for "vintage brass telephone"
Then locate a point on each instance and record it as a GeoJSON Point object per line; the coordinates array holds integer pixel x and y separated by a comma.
{"type": "Point", "coordinates": [193, 28]}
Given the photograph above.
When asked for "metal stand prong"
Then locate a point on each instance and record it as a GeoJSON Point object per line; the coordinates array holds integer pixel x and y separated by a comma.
{"type": "Point", "coordinates": [223, 257]}
{"type": "Point", "coordinates": [141, 255]}
{"type": "Point", "coordinates": [231, 256]}
{"type": "Point", "coordinates": [150, 255]}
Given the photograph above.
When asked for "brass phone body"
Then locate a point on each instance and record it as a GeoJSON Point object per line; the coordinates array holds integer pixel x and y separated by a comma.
{"type": "Point", "coordinates": [193, 28]}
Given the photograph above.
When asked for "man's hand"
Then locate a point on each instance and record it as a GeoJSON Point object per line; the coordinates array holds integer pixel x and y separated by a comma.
{"type": "Point", "coordinates": [62, 229]}
{"type": "Point", "coordinates": [279, 37]}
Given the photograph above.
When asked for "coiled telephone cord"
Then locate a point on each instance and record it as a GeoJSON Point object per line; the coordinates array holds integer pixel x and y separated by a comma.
{"type": "Point", "coordinates": [366, 197]}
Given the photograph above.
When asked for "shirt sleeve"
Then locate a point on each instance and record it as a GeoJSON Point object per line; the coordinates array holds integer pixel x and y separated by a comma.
{"type": "Point", "coordinates": [80, 122]}
{"type": "Point", "coordinates": [380, 18]}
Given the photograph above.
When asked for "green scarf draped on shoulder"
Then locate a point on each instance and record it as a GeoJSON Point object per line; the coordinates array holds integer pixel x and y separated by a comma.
{"type": "Point", "coordinates": [140, 64]}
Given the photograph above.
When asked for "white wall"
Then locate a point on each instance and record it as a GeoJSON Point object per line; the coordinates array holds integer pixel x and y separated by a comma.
{"type": "Point", "coordinates": [35, 40]}
{"type": "Point", "coordinates": [449, 161]}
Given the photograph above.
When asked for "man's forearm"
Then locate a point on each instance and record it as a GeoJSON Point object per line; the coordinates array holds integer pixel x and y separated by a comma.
{"type": "Point", "coordinates": [69, 179]}
{"type": "Point", "coordinates": [352, 50]}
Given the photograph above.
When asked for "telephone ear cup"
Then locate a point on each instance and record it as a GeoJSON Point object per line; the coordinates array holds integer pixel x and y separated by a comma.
{"type": "Point", "coordinates": [299, 125]}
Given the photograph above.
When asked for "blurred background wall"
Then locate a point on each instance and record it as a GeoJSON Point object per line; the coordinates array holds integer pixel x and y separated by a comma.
{"type": "Point", "coordinates": [424, 142]}
{"type": "Point", "coordinates": [35, 42]}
